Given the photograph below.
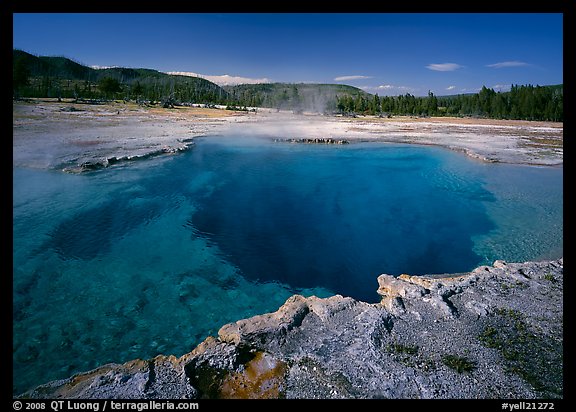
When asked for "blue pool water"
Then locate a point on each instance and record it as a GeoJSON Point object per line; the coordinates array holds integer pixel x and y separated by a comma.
{"type": "Point", "coordinates": [153, 256]}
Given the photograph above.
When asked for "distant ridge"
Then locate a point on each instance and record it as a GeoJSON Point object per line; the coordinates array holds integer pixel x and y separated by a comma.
{"type": "Point", "coordinates": [49, 76]}
{"type": "Point", "coordinates": [56, 76]}
{"type": "Point", "coordinates": [316, 97]}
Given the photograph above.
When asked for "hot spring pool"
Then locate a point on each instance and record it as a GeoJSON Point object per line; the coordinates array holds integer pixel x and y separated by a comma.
{"type": "Point", "coordinates": [151, 257]}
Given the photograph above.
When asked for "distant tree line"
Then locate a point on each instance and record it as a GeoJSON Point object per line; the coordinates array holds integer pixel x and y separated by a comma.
{"type": "Point", "coordinates": [291, 96]}
{"type": "Point", "coordinates": [521, 102]}
{"type": "Point", "coordinates": [146, 89]}
{"type": "Point", "coordinates": [60, 77]}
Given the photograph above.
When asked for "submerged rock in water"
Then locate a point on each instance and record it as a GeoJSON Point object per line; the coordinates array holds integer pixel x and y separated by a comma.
{"type": "Point", "coordinates": [100, 163]}
{"type": "Point", "coordinates": [315, 140]}
{"type": "Point", "coordinates": [495, 332]}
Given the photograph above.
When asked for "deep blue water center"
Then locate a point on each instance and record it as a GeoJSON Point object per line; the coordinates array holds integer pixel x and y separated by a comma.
{"type": "Point", "coordinates": [339, 217]}
{"type": "Point", "coordinates": [151, 257]}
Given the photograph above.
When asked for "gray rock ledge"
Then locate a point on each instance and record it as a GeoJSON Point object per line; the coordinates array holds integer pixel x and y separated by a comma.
{"type": "Point", "coordinates": [495, 332]}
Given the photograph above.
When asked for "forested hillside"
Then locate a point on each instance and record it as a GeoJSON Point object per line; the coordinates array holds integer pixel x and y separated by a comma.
{"type": "Point", "coordinates": [521, 102]}
{"type": "Point", "coordinates": [42, 76]}
{"type": "Point", "coordinates": [293, 96]}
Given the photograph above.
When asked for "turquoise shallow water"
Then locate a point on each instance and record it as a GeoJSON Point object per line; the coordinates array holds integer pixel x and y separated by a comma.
{"type": "Point", "coordinates": [153, 256]}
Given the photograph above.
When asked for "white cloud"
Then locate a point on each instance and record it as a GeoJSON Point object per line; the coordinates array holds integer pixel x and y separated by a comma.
{"type": "Point", "coordinates": [102, 67]}
{"type": "Point", "coordinates": [389, 89]}
{"type": "Point", "coordinates": [501, 87]}
{"type": "Point", "coordinates": [444, 67]}
{"type": "Point", "coordinates": [513, 63]}
{"type": "Point", "coordinates": [355, 77]}
{"type": "Point", "coordinates": [471, 90]}
{"type": "Point", "coordinates": [450, 87]}
{"type": "Point", "coordinates": [392, 87]}
{"type": "Point", "coordinates": [224, 79]}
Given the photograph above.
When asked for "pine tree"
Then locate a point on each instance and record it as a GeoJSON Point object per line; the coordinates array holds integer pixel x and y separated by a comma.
{"type": "Point", "coordinates": [109, 86]}
{"type": "Point", "coordinates": [20, 77]}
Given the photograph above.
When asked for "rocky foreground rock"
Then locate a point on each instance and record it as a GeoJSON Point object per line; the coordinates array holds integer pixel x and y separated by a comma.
{"type": "Point", "coordinates": [495, 332]}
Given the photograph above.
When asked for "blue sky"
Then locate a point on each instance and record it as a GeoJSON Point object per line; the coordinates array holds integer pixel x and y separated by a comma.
{"type": "Point", "coordinates": [384, 53]}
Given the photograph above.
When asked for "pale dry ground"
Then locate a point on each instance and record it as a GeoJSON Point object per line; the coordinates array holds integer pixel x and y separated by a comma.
{"type": "Point", "coordinates": [508, 141]}
{"type": "Point", "coordinates": [51, 134]}
{"type": "Point", "coordinates": [64, 135]}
